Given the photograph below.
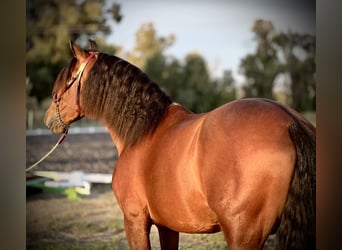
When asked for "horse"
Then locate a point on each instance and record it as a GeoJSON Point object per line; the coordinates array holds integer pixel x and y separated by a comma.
{"type": "Point", "coordinates": [246, 168]}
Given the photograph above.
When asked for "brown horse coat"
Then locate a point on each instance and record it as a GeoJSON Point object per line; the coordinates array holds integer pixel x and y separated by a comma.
{"type": "Point", "coordinates": [222, 168]}
{"type": "Point", "coordinates": [244, 168]}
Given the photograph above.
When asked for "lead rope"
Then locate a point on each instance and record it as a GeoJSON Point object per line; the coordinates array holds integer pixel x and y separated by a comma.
{"type": "Point", "coordinates": [48, 153]}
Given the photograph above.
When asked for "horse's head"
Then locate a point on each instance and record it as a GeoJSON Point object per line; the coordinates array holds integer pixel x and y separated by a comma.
{"type": "Point", "coordinates": [66, 106]}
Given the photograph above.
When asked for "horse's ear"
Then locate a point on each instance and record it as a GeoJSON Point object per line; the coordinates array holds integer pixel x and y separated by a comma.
{"type": "Point", "coordinates": [78, 53]}
{"type": "Point", "coordinates": [93, 46]}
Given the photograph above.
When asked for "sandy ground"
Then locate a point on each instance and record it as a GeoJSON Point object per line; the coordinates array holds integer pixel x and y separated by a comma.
{"type": "Point", "coordinates": [91, 222]}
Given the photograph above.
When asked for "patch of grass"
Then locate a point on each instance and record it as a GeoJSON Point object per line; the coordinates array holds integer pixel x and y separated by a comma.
{"type": "Point", "coordinates": [85, 227]}
{"type": "Point", "coordinates": [76, 246]}
{"type": "Point", "coordinates": [202, 241]}
{"type": "Point", "coordinates": [94, 222]}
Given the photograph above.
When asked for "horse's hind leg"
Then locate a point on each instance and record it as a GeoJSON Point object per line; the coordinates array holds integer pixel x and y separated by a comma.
{"type": "Point", "coordinates": [168, 238]}
{"type": "Point", "coordinates": [241, 237]}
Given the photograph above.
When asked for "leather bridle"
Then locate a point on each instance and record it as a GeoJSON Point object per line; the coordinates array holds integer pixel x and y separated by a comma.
{"type": "Point", "coordinates": [57, 96]}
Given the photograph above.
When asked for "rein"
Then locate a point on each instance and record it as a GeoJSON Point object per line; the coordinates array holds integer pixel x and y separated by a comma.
{"type": "Point", "coordinates": [57, 98]}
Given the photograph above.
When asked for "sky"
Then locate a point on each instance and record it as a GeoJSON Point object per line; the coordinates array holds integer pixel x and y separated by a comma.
{"type": "Point", "coordinates": [220, 30]}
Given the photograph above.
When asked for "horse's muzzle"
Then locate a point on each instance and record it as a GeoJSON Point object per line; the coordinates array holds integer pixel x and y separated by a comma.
{"type": "Point", "coordinates": [53, 124]}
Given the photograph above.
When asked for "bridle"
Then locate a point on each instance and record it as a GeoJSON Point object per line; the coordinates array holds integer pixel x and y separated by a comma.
{"type": "Point", "coordinates": [57, 97]}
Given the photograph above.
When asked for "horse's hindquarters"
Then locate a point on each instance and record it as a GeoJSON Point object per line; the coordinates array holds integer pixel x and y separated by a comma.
{"type": "Point", "coordinates": [248, 161]}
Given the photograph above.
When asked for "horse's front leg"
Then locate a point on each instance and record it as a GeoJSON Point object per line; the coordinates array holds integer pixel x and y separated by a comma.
{"type": "Point", "coordinates": [168, 238]}
{"type": "Point", "coordinates": [137, 228]}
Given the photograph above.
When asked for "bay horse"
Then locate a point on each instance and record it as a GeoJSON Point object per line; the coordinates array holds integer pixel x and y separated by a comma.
{"type": "Point", "coordinates": [246, 168]}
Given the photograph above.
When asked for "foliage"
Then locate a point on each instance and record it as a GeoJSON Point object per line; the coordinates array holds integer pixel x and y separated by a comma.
{"type": "Point", "coordinates": [50, 25]}
{"type": "Point", "coordinates": [280, 54]}
{"type": "Point", "coordinates": [198, 91]}
{"type": "Point", "coordinates": [262, 67]}
{"type": "Point", "coordinates": [95, 222]}
{"type": "Point", "coordinates": [189, 82]}
{"type": "Point", "coordinates": [148, 45]}
{"type": "Point", "coordinates": [298, 52]}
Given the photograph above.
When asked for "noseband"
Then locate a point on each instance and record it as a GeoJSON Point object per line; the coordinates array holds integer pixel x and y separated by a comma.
{"type": "Point", "coordinates": [57, 97]}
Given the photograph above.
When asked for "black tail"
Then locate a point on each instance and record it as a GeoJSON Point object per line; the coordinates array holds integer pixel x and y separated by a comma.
{"type": "Point", "coordinates": [297, 228]}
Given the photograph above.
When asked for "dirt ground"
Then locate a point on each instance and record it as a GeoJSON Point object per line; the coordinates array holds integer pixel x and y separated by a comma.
{"type": "Point", "coordinates": [53, 221]}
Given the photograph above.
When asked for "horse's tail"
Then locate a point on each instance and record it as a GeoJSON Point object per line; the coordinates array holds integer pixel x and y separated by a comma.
{"type": "Point", "coordinates": [297, 229]}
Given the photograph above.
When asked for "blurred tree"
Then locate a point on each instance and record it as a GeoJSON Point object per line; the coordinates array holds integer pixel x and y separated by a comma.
{"type": "Point", "coordinates": [225, 89]}
{"type": "Point", "coordinates": [197, 90]}
{"type": "Point", "coordinates": [298, 55]}
{"type": "Point", "coordinates": [168, 72]}
{"type": "Point", "coordinates": [262, 67]}
{"type": "Point", "coordinates": [187, 83]}
{"type": "Point", "coordinates": [279, 53]}
{"type": "Point", "coordinates": [148, 45]}
{"type": "Point", "coordinates": [50, 25]}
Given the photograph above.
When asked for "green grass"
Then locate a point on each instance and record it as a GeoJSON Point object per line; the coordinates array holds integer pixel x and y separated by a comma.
{"type": "Point", "coordinates": [55, 222]}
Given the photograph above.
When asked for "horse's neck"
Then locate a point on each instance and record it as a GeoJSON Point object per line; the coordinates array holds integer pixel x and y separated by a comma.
{"type": "Point", "coordinates": [118, 143]}
{"type": "Point", "coordinates": [173, 115]}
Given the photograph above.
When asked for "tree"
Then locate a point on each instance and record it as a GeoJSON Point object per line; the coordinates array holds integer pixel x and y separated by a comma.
{"type": "Point", "coordinates": [168, 73]}
{"type": "Point", "coordinates": [188, 82]}
{"type": "Point", "coordinates": [298, 55]}
{"type": "Point", "coordinates": [197, 89]}
{"type": "Point", "coordinates": [280, 53]}
{"type": "Point", "coordinates": [148, 45]}
{"type": "Point", "coordinates": [225, 87]}
{"type": "Point", "coordinates": [262, 67]}
{"type": "Point", "coordinates": [50, 25]}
